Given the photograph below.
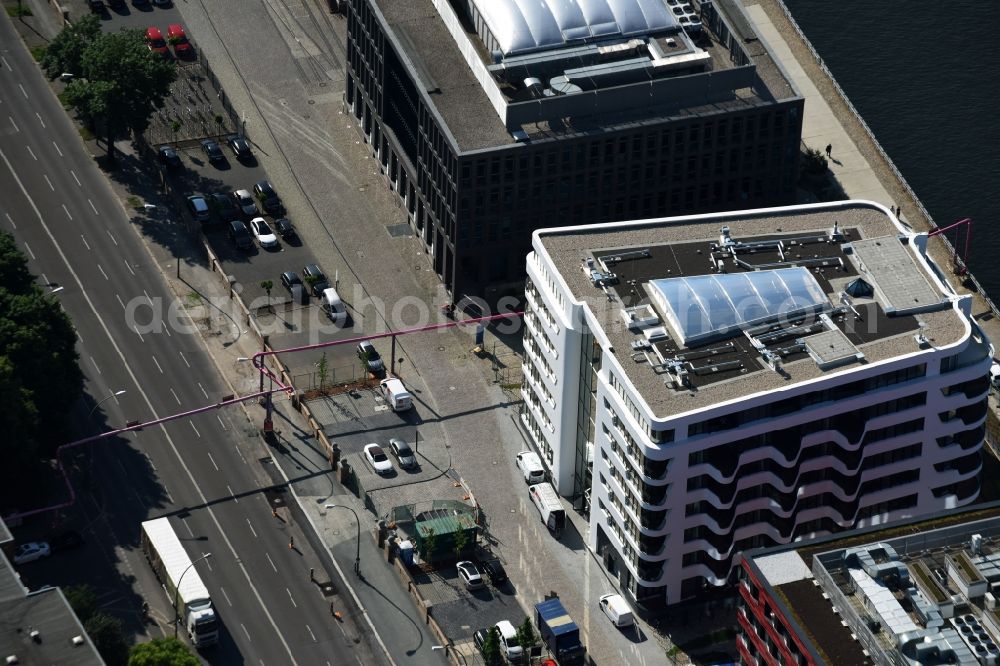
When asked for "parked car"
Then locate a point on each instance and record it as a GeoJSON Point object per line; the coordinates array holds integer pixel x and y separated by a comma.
{"type": "Point", "coordinates": [377, 458]}
{"type": "Point", "coordinates": [244, 201]}
{"type": "Point", "coordinates": [155, 42]}
{"type": "Point", "coordinates": [403, 453]}
{"type": "Point", "coordinates": [531, 467]}
{"type": "Point", "coordinates": [469, 573]}
{"type": "Point", "coordinates": [314, 277]}
{"type": "Point", "coordinates": [65, 541]}
{"type": "Point", "coordinates": [240, 235]}
{"type": "Point", "coordinates": [198, 207]}
{"type": "Point", "coordinates": [240, 147]}
{"type": "Point", "coordinates": [31, 551]}
{"type": "Point", "coordinates": [508, 640]}
{"type": "Point", "coordinates": [268, 198]}
{"type": "Point", "coordinates": [495, 572]}
{"type": "Point", "coordinates": [178, 38]}
{"type": "Point", "coordinates": [369, 357]}
{"type": "Point", "coordinates": [284, 228]}
{"type": "Point", "coordinates": [140, 3]}
{"type": "Point", "coordinates": [117, 4]}
{"type": "Point", "coordinates": [223, 206]}
{"type": "Point", "coordinates": [262, 232]}
{"type": "Point", "coordinates": [168, 157]}
{"type": "Point", "coordinates": [96, 6]}
{"type": "Point", "coordinates": [295, 287]}
{"type": "Point", "coordinates": [480, 637]}
{"type": "Point", "coordinates": [212, 150]}
{"type": "Point", "coordinates": [161, 3]}
{"type": "Point", "coordinates": [617, 610]}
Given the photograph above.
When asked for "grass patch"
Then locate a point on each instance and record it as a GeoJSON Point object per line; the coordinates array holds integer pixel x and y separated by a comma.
{"type": "Point", "coordinates": [192, 299]}
{"type": "Point", "coordinates": [62, 99]}
{"type": "Point", "coordinates": [37, 52]}
{"type": "Point", "coordinates": [85, 133]}
{"type": "Point", "coordinates": [134, 202]}
{"type": "Point", "coordinates": [14, 11]}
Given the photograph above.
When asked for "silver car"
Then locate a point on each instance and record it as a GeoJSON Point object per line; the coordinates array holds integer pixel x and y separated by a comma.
{"type": "Point", "coordinates": [403, 453]}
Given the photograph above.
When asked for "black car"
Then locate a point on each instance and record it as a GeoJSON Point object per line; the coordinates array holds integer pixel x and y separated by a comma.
{"type": "Point", "coordinates": [268, 198]}
{"type": "Point", "coordinates": [223, 206]}
{"type": "Point", "coordinates": [212, 151]}
{"type": "Point", "coordinates": [65, 541]}
{"type": "Point", "coordinates": [495, 572]}
{"type": "Point", "coordinates": [369, 357]}
{"type": "Point", "coordinates": [96, 6]}
{"type": "Point", "coordinates": [240, 147]}
{"type": "Point", "coordinates": [240, 234]}
{"type": "Point", "coordinates": [284, 228]}
{"type": "Point", "coordinates": [295, 287]}
{"type": "Point", "coordinates": [313, 276]}
{"type": "Point", "coordinates": [168, 157]}
{"type": "Point", "coordinates": [479, 638]}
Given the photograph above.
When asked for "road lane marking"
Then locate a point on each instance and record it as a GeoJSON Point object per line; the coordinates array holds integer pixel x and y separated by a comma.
{"type": "Point", "coordinates": [149, 404]}
{"type": "Point", "coordinates": [141, 339]}
{"type": "Point", "coordinates": [102, 272]}
{"type": "Point", "coordinates": [96, 366]}
{"type": "Point", "coordinates": [57, 149]}
{"type": "Point", "coordinates": [51, 186]}
{"type": "Point", "coordinates": [208, 564]}
{"type": "Point", "coordinates": [226, 595]}
{"type": "Point", "coordinates": [169, 496]}
{"type": "Point", "coordinates": [68, 214]}
{"type": "Point", "coordinates": [129, 267]}
{"type": "Point", "coordinates": [73, 173]}
{"type": "Point", "coordinates": [291, 598]}
{"type": "Point", "coordinates": [311, 633]}
{"type": "Point", "coordinates": [150, 461]}
{"type": "Point", "coordinates": [246, 632]}
{"type": "Point", "coordinates": [174, 393]}
{"type": "Point", "coordinates": [188, 528]}
{"type": "Point", "coordinates": [186, 362]}
{"type": "Point", "coordinates": [200, 386]}
{"type": "Point", "coordinates": [31, 151]}
{"type": "Point", "coordinates": [121, 302]}
{"type": "Point", "coordinates": [232, 494]}
{"type": "Point", "coordinates": [221, 423]}
{"type": "Point", "coordinates": [93, 207]}
{"type": "Point", "coordinates": [26, 247]}
{"type": "Point", "coordinates": [16, 128]}
{"type": "Point", "coordinates": [213, 461]}
{"type": "Point", "coordinates": [111, 237]}
{"type": "Point", "coordinates": [86, 244]}
{"type": "Point", "coordinates": [11, 220]}
{"type": "Point", "coordinates": [23, 91]}
{"type": "Point", "coordinates": [157, 365]}
{"type": "Point", "coordinates": [252, 529]}
{"type": "Point", "coordinates": [166, 329]}
{"type": "Point", "coordinates": [272, 562]}
{"type": "Point", "coordinates": [39, 116]}
{"type": "Point", "coordinates": [6, 63]}
{"type": "Point", "coordinates": [195, 429]}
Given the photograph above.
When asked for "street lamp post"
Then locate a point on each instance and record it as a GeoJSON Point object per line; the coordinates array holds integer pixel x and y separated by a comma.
{"type": "Point", "coordinates": [178, 590]}
{"type": "Point", "coordinates": [357, 556]}
{"type": "Point", "coordinates": [104, 400]}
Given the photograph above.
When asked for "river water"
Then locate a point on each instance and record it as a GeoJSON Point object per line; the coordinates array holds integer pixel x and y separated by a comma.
{"type": "Point", "coordinates": [927, 82]}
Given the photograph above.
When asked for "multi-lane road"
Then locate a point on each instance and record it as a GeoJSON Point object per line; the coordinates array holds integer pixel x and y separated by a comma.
{"type": "Point", "coordinates": [204, 471]}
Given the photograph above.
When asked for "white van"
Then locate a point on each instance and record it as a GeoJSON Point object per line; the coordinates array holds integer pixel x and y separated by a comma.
{"type": "Point", "coordinates": [617, 610]}
{"type": "Point", "coordinates": [531, 467]}
{"type": "Point", "coordinates": [396, 395]}
{"type": "Point", "coordinates": [545, 499]}
{"type": "Point", "coordinates": [333, 306]}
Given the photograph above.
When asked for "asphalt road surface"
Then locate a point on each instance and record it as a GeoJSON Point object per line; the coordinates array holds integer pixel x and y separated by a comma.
{"type": "Point", "coordinates": [204, 471]}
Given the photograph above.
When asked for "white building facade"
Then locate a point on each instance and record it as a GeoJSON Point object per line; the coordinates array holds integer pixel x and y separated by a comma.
{"type": "Point", "coordinates": [677, 479]}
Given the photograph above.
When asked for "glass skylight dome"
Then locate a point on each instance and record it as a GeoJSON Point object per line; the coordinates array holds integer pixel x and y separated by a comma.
{"type": "Point", "coordinates": [706, 306]}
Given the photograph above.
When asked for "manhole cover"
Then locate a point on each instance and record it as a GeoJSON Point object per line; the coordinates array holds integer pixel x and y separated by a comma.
{"type": "Point", "coordinates": [311, 101]}
{"type": "Point", "coordinates": [440, 348]}
{"type": "Point", "coordinates": [399, 230]}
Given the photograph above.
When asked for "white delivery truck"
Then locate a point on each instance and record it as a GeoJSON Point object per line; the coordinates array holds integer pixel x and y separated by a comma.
{"type": "Point", "coordinates": [544, 496]}
{"type": "Point", "coordinates": [169, 561]}
{"type": "Point", "coordinates": [396, 395]}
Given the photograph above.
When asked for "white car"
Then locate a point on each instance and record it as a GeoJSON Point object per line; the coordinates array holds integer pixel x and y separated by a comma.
{"type": "Point", "coordinates": [531, 467]}
{"type": "Point", "coordinates": [508, 641]}
{"type": "Point", "coordinates": [244, 201]}
{"type": "Point", "coordinates": [262, 232]}
{"type": "Point", "coordinates": [470, 575]}
{"type": "Point", "coordinates": [379, 461]}
{"type": "Point", "coordinates": [29, 552]}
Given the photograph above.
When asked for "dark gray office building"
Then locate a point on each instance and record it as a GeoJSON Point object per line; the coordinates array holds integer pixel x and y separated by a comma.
{"type": "Point", "coordinates": [493, 118]}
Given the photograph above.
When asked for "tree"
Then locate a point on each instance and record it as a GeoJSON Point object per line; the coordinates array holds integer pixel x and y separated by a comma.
{"type": "Point", "coordinates": [82, 600]}
{"type": "Point", "coordinates": [65, 52]}
{"type": "Point", "coordinates": [175, 127]}
{"type": "Point", "coordinates": [119, 81]}
{"type": "Point", "coordinates": [491, 648]}
{"type": "Point", "coordinates": [428, 545]}
{"type": "Point", "coordinates": [322, 369]}
{"type": "Point", "coordinates": [108, 637]}
{"type": "Point", "coordinates": [267, 286]}
{"type": "Point", "coordinates": [814, 163]}
{"type": "Point", "coordinates": [162, 652]}
{"type": "Point", "coordinates": [526, 636]}
{"type": "Point", "coordinates": [462, 541]}
{"type": "Point", "coordinates": [219, 120]}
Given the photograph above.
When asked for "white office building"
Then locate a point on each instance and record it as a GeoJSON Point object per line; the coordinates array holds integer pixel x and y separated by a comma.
{"type": "Point", "coordinates": [705, 385]}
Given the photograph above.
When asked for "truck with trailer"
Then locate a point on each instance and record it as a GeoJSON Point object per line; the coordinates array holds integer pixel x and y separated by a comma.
{"type": "Point", "coordinates": [187, 592]}
{"type": "Point", "coordinates": [559, 632]}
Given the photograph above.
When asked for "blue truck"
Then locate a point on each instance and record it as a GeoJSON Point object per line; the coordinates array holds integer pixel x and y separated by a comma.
{"type": "Point", "coordinates": [559, 632]}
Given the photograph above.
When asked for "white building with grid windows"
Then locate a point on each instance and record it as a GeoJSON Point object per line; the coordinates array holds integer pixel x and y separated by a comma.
{"type": "Point", "coordinates": [708, 384]}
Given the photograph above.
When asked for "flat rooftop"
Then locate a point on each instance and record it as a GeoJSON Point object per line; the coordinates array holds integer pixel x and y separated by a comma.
{"type": "Point", "coordinates": [780, 311]}
{"type": "Point", "coordinates": [425, 41]}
